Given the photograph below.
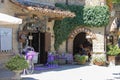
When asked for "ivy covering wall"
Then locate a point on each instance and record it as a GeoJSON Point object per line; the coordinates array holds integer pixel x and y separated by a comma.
{"type": "Point", "coordinates": [97, 16]}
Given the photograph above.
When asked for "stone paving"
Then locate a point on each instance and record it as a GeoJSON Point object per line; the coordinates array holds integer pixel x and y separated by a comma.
{"type": "Point", "coordinates": [77, 72]}
{"type": "Point", "coordinates": [6, 74]}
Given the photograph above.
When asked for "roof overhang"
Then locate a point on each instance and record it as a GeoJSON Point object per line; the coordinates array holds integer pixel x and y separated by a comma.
{"type": "Point", "coordinates": [7, 19]}
{"type": "Point", "coordinates": [44, 10]}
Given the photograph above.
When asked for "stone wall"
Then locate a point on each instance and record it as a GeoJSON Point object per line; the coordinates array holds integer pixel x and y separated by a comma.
{"type": "Point", "coordinates": [10, 9]}
{"type": "Point", "coordinates": [98, 43]}
{"type": "Point", "coordinates": [99, 32]}
{"type": "Point", "coordinates": [50, 30]}
{"type": "Point", "coordinates": [97, 37]}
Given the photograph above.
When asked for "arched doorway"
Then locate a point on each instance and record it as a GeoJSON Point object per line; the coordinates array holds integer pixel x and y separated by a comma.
{"type": "Point", "coordinates": [80, 35]}
{"type": "Point", "coordinates": [81, 39]}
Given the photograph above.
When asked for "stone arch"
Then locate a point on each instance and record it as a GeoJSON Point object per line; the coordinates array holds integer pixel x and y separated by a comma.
{"type": "Point", "coordinates": [73, 34]}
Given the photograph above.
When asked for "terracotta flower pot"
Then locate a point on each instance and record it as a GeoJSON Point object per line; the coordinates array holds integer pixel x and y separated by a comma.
{"type": "Point", "coordinates": [111, 59]}
{"type": "Point", "coordinates": [99, 63]}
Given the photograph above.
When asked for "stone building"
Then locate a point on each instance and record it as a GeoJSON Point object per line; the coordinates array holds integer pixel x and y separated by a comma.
{"type": "Point", "coordinates": [38, 20]}
{"type": "Point", "coordinates": [36, 29]}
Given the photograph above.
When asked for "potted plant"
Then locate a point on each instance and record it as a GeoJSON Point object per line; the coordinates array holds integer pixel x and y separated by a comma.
{"type": "Point", "coordinates": [112, 52]}
{"type": "Point", "coordinates": [17, 64]}
{"type": "Point", "coordinates": [99, 59]}
{"type": "Point", "coordinates": [81, 59]}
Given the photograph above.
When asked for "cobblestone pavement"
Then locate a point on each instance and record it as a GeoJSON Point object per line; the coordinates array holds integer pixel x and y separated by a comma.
{"type": "Point", "coordinates": [77, 72]}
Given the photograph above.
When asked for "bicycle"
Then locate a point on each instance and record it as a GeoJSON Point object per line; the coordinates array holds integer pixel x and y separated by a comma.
{"type": "Point", "coordinates": [29, 54]}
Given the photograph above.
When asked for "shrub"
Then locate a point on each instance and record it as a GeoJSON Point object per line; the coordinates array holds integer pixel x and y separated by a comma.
{"type": "Point", "coordinates": [17, 63]}
{"type": "Point", "coordinates": [113, 50]}
{"type": "Point", "coordinates": [81, 59]}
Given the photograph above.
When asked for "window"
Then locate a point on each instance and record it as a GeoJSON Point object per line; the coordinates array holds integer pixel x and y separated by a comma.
{"type": "Point", "coordinates": [5, 39]}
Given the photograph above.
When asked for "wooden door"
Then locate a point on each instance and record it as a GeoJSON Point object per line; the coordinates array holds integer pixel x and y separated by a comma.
{"type": "Point", "coordinates": [47, 42]}
{"type": "Point", "coordinates": [45, 45]}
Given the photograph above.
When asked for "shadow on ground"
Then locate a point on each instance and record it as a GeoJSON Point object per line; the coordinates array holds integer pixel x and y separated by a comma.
{"type": "Point", "coordinates": [58, 68]}
{"type": "Point", "coordinates": [28, 78]}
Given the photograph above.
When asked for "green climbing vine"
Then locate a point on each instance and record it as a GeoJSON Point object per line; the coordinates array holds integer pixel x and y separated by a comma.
{"type": "Point", "coordinates": [96, 16]}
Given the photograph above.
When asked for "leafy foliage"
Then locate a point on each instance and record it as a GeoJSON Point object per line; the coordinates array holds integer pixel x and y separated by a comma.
{"type": "Point", "coordinates": [115, 1]}
{"type": "Point", "coordinates": [113, 50]}
{"type": "Point", "coordinates": [17, 63]}
{"type": "Point", "coordinates": [81, 59]}
{"type": "Point", "coordinates": [85, 16]}
{"type": "Point", "coordinates": [96, 16]}
{"type": "Point", "coordinates": [112, 1]}
{"type": "Point", "coordinates": [62, 28]}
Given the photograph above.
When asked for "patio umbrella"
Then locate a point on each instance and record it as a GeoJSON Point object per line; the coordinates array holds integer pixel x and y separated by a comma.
{"type": "Point", "coordinates": [7, 19]}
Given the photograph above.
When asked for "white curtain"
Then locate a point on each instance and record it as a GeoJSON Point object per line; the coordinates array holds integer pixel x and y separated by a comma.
{"type": "Point", "coordinates": [5, 39]}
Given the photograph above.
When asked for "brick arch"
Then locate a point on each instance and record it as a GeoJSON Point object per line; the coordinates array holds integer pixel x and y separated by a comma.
{"type": "Point", "coordinates": [73, 35]}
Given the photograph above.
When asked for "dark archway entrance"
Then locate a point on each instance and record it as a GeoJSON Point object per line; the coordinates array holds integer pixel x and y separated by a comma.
{"type": "Point", "coordinates": [41, 43]}
{"type": "Point", "coordinates": [82, 39]}
{"type": "Point", "coordinates": [89, 35]}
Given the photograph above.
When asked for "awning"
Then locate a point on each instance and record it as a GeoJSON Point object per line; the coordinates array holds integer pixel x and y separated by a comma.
{"type": "Point", "coordinates": [43, 9]}
{"type": "Point", "coordinates": [7, 19]}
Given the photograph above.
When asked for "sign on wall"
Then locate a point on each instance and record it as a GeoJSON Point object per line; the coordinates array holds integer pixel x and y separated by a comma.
{"type": "Point", "coordinates": [5, 39]}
